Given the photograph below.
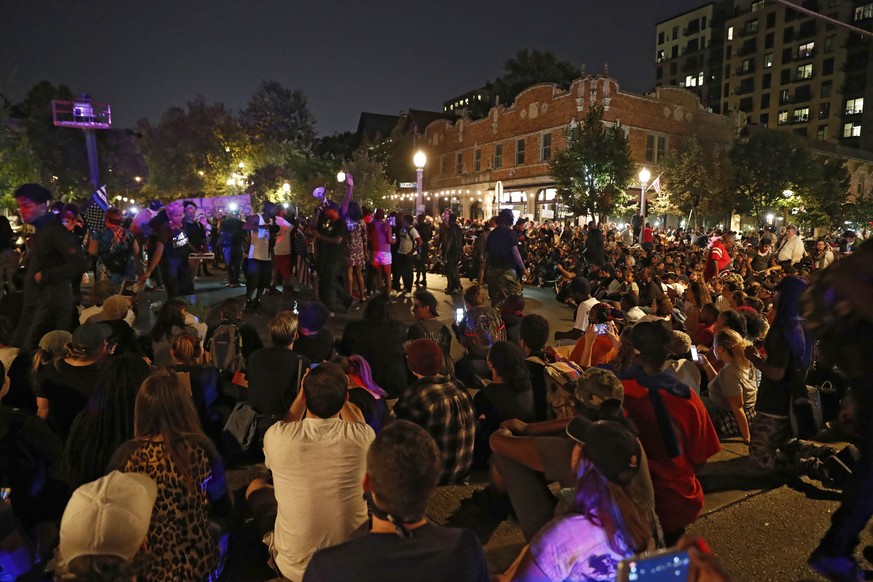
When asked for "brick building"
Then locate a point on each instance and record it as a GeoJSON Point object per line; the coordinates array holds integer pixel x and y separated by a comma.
{"type": "Point", "coordinates": [471, 161]}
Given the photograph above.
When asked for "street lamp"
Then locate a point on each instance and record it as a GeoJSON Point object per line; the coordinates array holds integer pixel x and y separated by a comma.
{"type": "Point", "coordinates": [644, 180]}
{"type": "Point", "coordinates": [286, 187]}
{"type": "Point", "coordinates": [419, 159]}
{"type": "Point", "coordinates": [340, 176]}
{"type": "Point", "coordinates": [769, 219]}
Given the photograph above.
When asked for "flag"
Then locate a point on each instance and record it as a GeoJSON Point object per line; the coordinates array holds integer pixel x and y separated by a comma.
{"type": "Point", "coordinates": [94, 209]}
{"type": "Point", "coordinates": [656, 185]}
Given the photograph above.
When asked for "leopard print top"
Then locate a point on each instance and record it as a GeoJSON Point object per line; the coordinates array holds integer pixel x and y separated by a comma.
{"type": "Point", "coordinates": [179, 535]}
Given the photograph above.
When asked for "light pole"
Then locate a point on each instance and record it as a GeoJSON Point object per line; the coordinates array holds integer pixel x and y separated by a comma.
{"type": "Point", "coordinates": [644, 180]}
{"type": "Point", "coordinates": [419, 159]}
{"type": "Point", "coordinates": [340, 176]}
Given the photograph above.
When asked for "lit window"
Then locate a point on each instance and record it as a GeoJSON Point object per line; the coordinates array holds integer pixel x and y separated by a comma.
{"type": "Point", "coordinates": [864, 12]}
{"type": "Point", "coordinates": [855, 106]}
{"type": "Point", "coordinates": [852, 130]}
{"type": "Point", "coordinates": [691, 81]}
{"type": "Point", "coordinates": [768, 60]}
{"type": "Point", "coordinates": [700, 78]}
{"type": "Point", "coordinates": [783, 118]}
{"type": "Point", "coordinates": [805, 50]}
{"type": "Point", "coordinates": [730, 32]}
{"type": "Point", "coordinates": [804, 71]}
{"type": "Point", "coordinates": [801, 115]}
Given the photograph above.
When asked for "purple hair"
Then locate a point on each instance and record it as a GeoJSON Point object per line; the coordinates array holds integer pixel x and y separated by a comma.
{"type": "Point", "coordinates": [360, 366]}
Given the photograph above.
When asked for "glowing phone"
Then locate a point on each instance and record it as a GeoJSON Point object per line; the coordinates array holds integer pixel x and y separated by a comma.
{"type": "Point", "coordinates": [661, 566]}
{"type": "Point", "coordinates": [600, 328]}
{"type": "Point", "coordinates": [459, 314]}
{"type": "Point", "coordinates": [392, 221]}
{"type": "Point", "coordinates": [694, 354]}
{"type": "Point", "coordinates": [4, 493]}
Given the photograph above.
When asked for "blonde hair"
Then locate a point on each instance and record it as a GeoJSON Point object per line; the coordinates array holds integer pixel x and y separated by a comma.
{"type": "Point", "coordinates": [186, 349]}
{"type": "Point", "coordinates": [283, 328]}
{"type": "Point", "coordinates": [735, 346]}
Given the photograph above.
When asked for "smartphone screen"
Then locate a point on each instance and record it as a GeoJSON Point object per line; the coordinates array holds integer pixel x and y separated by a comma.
{"type": "Point", "coordinates": [459, 314]}
{"type": "Point", "coordinates": [600, 328]}
{"type": "Point", "coordinates": [659, 567]}
{"type": "Point", "coordinates": [4, 493]}
{"type": "Point", "coordinates": [392, 221]}
{"type": "Point", "coordinates": [694, 355]}
{"type": "Point", "coordinates": [314, 366]}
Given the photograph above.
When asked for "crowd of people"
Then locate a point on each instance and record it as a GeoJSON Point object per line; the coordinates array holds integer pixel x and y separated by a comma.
{"type": "Point", "coordinates": [114, 444]}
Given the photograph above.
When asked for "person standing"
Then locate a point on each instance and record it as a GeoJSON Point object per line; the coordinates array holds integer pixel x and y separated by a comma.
{"type": "Point", "coordinates": [54, 258]}
{"type": "Point", "coordinates": [503, 260]}
{"type": "Point", "coordinates": [115, 248]}
{"type": "Point", "coordinates": [381, 238]}
{"type": "Point", "coordinates": [357, 245]}
{"type": "Point", "coordinates": [425, 231]}
{"type": "Point", "coordinates": [260, 265]}
{"type": "Point", "coordinates": [453, 244]}
{"type": "Point", "coordinates": [719, 257]}
{"type": "Point", "coordinates": [171, 252]}
{"type": "Point", "coordinates": [230, 240]}
{"type": "Point", "coordinates": [408, 241]}
{"type": "Point", "coordinates": [791, 248]}
{"type": "Point", "coordinates": [330, 257]}
{"type": "Point", "coordinates": [196, 234]}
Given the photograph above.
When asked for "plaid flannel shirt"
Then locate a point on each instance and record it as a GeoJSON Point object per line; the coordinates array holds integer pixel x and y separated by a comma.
{"type": "Point", "coordinates": [444, 408]}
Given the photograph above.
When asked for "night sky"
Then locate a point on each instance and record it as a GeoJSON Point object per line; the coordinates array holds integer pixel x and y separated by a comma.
{"type": "Point", "coordinates": [368, 55]}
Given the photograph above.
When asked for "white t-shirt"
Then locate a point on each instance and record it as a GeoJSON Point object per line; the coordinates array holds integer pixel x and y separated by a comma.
{"type": "Point", "coordinates": [573, 548]}
{"type": "Point", "coordinates": [283, 238]}
{"type": "Point", "coordinates": [317, 466]}
{"type": "Point", "coordinates": [260, 247]}
{"type": "Point", "coordinates": [582, 313]}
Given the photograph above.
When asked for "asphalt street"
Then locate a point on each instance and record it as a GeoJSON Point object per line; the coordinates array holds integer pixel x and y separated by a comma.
{"type": "Point", "coordinates": [762, 529]}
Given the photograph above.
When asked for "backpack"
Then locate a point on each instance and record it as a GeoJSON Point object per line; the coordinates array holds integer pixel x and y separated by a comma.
{"type": "Point", "coordinates": [483, 327]}
{"type": "Point", "coordinates": [225, 348]}
{"type": "Point", "coordinates": [407, 244]}
{"type": "Point", "coordinates": [560, 382]}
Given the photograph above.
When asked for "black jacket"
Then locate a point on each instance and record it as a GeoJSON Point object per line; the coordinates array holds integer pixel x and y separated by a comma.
{"type": "Point", "coordinates": [54, 252]}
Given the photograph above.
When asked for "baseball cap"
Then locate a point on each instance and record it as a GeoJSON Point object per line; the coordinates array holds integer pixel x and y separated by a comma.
{"type": "Point", "coordinates": [424, 356]}
{"type": "Point", "coordinates": [596, 385]}
{"type": "Point", "coordinates": [427, 299]}
{"type": "Point", "coordinates": [109, 516]}
{"type": "Point", "coordinates": [55, 341]}
{"type": "Point", "coordinates": [610, 446]}
{"type": "Point", "coordinates": [90, 336]}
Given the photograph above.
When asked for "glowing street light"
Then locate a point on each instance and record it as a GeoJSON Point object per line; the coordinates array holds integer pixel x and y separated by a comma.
{"type": "Point", "coordinates": [769, 219]}
{"type": "Point", "coordinates": [644, 180]}
{"type": "Point", "coordinates": [340, 176]}
{"type": "Point", "coordinates": [419, 159]}
{"type": "Point", "coordinates": [138, 179]}
{"type": "Point", "coordinates": [286, 187]}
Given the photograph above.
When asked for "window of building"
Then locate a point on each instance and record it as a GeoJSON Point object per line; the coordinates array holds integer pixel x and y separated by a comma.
{"type": "Point", "coordinates": [825, 89]}
{"type": "Point", "coordinates": [662, 147]}
{"type": "Point", "coordinates": [786, 56]}
{"type": "Point", "coordinates": [783, 118]}
{"type": "Point", "coordinates": [690, 81]}
{"type": "Point", "coordinates": [801, 115]}
{"type": "Point", "coordinates": [785, 76]}
{"type": "Point", "coordinates": [784, 96]}
{"type": "Point", "coordinates": [519, 152]}
{"type": "Point", "coordinates": [855, 106]}
{"type": "Point", "coordinates": [852, 129]}
{"type": "Point", "coordinates": [822, 133]}
{"type": "Point", "coordinates": [702, 22]}
{"type": "Point", "coordinates": [747, 66]}
{"type": "Point", "coordinates": [824, 110]}
{"type": "Point", "coordinates": [768, 40]}
{"type": "Point", "coordinates": [803, 93]}
{"type": "Point", "coordinates": [546, 149]}
{"type": "Point", "coordinates": [788, 33]}
{"type": "Point", "coordinates": [673, 67]}
{"type": "Point", "coordinates": [801, 132]}
{"type": "Point", "coordinates": [661, 56]}
{"type": "Point", "coordinates": [771, 20]}
{"type": "Point", "coordinates": [829, 44]}
{"type": "Point", "coordinates": [805, 50]}
{"type": "Point", "coordinates": [862, 13]}
{"type": "Point", "coordinates": [661, 37]}
{"type": "Point", "coordinates": [827, 67]}
{"type": "Point", "coordinates": [477, 160]}
{"type": "Point", "coordinates": [765, 101]}
{"type": "Point", "coordinates": [674, 52]}
{"type": "Point", "coordinates": [757, 5]}
{"type": "Point", "coordinates": [459, 164]}
{"type": "Point", "coordinates": [675, 32]}
{"type": "Point", "coordinates": [727, 91]}
{"type": "Point", "coordinates": [659, 73]}
{"type": "Point", "coordinates": [766, 81]}
{"type": "Point", "coordinates": [768, 60]}
{"type": "Point", "coordinates": [764, 119]}
{"type": "Point", "coordinates": [730, 35]}
{"type": "Point", "coordinates": [443, 165]}
{"type": "Point", "coordinates": [751, 27]}
{"type": "Point", "coordinates": [745, 104]}
{"type": "Point", "coordinates": [804, 72]}
{"type": "Point", "coordinates": [498, 155]}
{"type": "Point", "coordinates": [650, 148]}
{"type": "Point", "coordinates": [656, 147]}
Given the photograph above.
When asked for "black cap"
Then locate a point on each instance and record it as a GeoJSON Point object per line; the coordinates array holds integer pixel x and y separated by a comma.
{"type": "Point", "coordinates": [34, 193]}
{"type": "Point", "coordinates": [610, 446]}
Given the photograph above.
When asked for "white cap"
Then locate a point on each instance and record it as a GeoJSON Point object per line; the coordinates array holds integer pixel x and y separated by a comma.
{"type": "Point", "coordinates": [109, 516]}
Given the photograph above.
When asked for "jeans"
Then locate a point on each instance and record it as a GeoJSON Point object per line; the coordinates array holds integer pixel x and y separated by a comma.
{"type": "Point", "coordinates": [857, 504]}
{"type": "Point", "coordinates": [453, 277]}
{"type": "Point", "coordinates": [331, 291]}
{"type": "Point", "coordinates": [177, 275]}
{"type": "Point", "coordinates": [258, 275]}
{"type": "Point", "coordinates": [402, 269]}
{"type": "Point", "coordinates": [421, 262]}
{"type": "Point", "coordinates": [233, 259]}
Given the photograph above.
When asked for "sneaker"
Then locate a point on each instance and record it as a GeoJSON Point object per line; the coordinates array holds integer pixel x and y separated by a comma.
{"type": "Point", "coordinates": [408, 294]}
{"type": "Point", "coordinates": [836, 473]}
{"type": "Point", "coordinates": [835, 568]}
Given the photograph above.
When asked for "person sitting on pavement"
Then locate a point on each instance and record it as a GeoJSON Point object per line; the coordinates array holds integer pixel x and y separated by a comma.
{"type": "Point", "coordinates": [364, 393]}
{"type": "Point", "coordinates": [733, 389]}
{"type": "Point", "coordinates": [424, 310]}
{"type": "Point", "coordinates": [511, 312]}
{"type": "Point", "coordinates": [314, 341]}
{"type": "Point", "coordinates": [403, 467]}
{"type": "Point", "coordinates": [172, 320]}
{"type": "Point", "coordinates": [604, 523]}
{"type": "Point", "coordinates": [601, 340]}
{"type": "Point", "coordinates": [317, 459]}
{"type": "Point", "coordinates": [580, 291]}
{"type": "Point", "coordinates": [202, 382]}
{"type": "Point", "coordinates": [534, 333]}
{"type": "Point", "coordinates": [527, 457]}
{"type": "Point", "coordinates": [274, 374]}
{"type": "Point", "coordinates": [104, 528]}
{"type": "Point", "coordinates": [379, 338]}
{"type": "Point", "coordinates": [440, 405]}
{"type": "Point", "coordinates": [230, 311]}
{"type": "Point", "coordinates": [477, 332]}
{"type": "Point", "coordinates": [674, 428]}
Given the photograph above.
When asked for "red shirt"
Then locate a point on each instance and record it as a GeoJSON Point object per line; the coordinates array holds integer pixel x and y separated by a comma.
{"type": "Point", "coordinates": [678, 493]}
{"type": "Point", "coordinates": [647, 235]}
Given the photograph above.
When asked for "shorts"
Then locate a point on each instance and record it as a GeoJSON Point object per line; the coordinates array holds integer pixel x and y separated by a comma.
{"type": "Point", "coordinates": [381, 258]}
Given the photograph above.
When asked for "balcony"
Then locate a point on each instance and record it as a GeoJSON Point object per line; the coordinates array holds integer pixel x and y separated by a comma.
{"type": "Point", "coordinates": [807, 30]}
{"type": "Point", "coordinates": [744, 89]}
{"type": "Point", "coordinates": [744, 70]}
{"type": "Point", "coordinates": [748, 48]}
{"type": "Point", "coordinates": [805, 55]}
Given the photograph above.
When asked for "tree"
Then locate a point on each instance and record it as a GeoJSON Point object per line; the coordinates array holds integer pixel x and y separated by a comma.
{"type": "Point", "coordinates": [371, 184]}
{"type": "Point", "coordinates": [825, 195]}
{"type": "Point", "coordinates": [697, 180]}
{"type": "Point", "coordinates": [18, 164]}
{"type": "Point", "coordinates": [592, 173]}
{"type": "Point", "coordinates": [765, 164]}
{"type": "Point", "coordinates": [278, 118]}
{"type": "Point", "coordinates": [525, 69]}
